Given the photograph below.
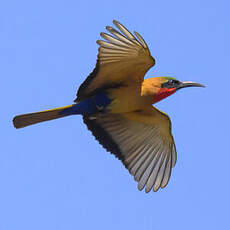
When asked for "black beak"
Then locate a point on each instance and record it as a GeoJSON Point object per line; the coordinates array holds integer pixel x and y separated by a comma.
{"type": "Point", "coordinates": [185, 84]}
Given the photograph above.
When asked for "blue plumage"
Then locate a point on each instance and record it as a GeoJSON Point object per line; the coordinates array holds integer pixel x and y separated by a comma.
{"type": "Point", "coordinates": [89, 106]}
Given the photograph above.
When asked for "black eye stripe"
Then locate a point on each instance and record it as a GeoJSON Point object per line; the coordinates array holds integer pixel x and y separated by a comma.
{"type": "Point", "coordinates": [171, 83]}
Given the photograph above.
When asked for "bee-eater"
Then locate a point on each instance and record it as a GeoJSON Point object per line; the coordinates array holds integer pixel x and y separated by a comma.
{"type": "Point", "coordinates": [116, 104]}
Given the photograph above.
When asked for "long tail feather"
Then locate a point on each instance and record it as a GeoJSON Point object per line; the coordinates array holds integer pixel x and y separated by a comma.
{"type": "Point", "coordinates": [24, 120]}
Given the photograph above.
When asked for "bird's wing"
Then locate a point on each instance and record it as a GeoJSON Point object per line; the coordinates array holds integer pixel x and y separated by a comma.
{"type": "Point", "coordinates": [122, 59]}
{"type": "Point", "coordinates": [142, 141]}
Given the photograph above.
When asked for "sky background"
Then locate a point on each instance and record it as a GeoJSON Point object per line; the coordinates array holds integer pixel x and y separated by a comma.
{"type": "Point", "coordinates": [55, 176]}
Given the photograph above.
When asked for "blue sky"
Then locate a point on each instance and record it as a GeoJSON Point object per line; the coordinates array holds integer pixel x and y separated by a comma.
{"type": "Point", "coordinates": [54, 175]}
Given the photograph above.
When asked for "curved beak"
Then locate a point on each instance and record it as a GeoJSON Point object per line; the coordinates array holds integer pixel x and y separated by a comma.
{"type": "Point", "coordinates": [185, 84]}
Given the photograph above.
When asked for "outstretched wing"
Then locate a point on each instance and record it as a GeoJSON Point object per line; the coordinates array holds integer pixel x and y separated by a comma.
{"type": "Point", "coordinates": [142, 141]}
{"type": "Point", "coordinates": [122, 59]}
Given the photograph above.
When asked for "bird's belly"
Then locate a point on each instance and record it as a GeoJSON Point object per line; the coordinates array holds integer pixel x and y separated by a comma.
{"type": "Point", "coordinates": [126, 100]}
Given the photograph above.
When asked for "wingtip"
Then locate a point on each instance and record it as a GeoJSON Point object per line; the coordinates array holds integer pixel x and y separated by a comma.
{"type": "Point", "coordinates": [147, 189]}
{"type": "Point", "coordinates": [115, 22]}
{"type": "Point", "coordinates": [109, 28]}
{"type": "Point", "coordinates": [155, 189]}
{"type": "Point", "coordinates": [140, 187]}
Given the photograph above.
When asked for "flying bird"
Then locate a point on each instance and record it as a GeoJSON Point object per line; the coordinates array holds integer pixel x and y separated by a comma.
{"type": "Point", "coordinates": [116, 103]}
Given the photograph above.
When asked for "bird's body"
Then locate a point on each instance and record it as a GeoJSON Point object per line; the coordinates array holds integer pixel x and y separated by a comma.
{"type": "Point", "coordinates": [116, 104]}
{"type": "Point", "coordinates": [128, 99]}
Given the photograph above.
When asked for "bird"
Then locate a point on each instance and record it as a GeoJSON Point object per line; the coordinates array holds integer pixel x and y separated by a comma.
{"type": "Point", "coordinates": [116, 104]}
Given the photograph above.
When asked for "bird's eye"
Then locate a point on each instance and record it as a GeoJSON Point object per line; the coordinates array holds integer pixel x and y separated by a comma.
{"type": "Point", "coordinates": [171, 83]}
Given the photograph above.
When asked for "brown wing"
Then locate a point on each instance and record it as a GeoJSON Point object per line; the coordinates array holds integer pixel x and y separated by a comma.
{"type": "Point", "coordinates": [142, 141]}
{"type": "Point", "coordinates": [122, 59]}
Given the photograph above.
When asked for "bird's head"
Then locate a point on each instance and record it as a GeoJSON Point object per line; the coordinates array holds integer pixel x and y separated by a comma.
{"type": "Point", "coordinates": [166, 86]}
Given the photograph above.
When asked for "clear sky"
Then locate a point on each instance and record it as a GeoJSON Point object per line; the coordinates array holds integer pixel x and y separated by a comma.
{"type": "Point", "coordinates": [55, 176]}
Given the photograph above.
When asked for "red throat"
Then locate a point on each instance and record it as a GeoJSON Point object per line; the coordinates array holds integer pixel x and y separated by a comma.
{"type": "Point", "coordinates": [163, 93]}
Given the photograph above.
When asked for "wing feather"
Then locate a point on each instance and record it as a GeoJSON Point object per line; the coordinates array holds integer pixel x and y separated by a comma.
{"type": "Point", "coordinates": [157, 164]}
{"type": "Point", "coordinates": [167, 172]}
{"type": "Point", "coordinates": [126, 32]}
{"type": "Point", "coordinates": [137, 162]}
{"type": "Point", "coordinates": [111, 45]}
{"type": "Point", "coordinates": [143, 43]}
{"type": "Point", "coordinates": [174, 155]}
{"type": "Point", "coordinates": [119, 35]}
{"type": "Point", "coordinates": [142, 141]}
{"type": "Point", "coordinates": [160, 174]}
{"type": "Point", "coordinates": [147, 162]}
{"type": "Point", "coordinates": [122, 59]}
{"type": "Point", "coordinates": [113, 40]}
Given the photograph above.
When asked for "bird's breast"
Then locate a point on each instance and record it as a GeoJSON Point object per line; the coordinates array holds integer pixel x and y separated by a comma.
{"type": "Point", "coordinates": [128, 99]}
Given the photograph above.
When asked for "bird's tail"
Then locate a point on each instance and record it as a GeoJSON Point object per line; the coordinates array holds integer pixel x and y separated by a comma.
{"type": "Point", "coordinates": [24, 120]}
